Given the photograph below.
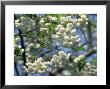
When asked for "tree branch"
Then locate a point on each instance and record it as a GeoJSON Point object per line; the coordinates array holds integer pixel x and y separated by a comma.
{"type": "Point", "coordinates": [16, 69]}
{"type": "Point", "coordinates": [90, 52]}
{"type": "Point", "coordinates": [83, 34]}
{"type": "Point", "coordinates": [23, 46]}
{"type": "Point", "coordinates": [48, 51]}
{"type": "Point", "coordinates": [24, 34]}
{"type": "Point", "coordinates": [89, 30]}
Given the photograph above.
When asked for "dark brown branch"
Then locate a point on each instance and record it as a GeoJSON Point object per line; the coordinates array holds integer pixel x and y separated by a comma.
{"type": "Point", "coordinates": [16, 69]}
{"type": "Point", "coordinates": [90, 52]}
{"type": "Point", "coordinates": [49, 51]}
{"type": "Point", "coordinates": [89, 30]}
{"type": "Point", "coordinates": [83, 34]}
{"type": "Point", "coordinates": [24, 33]}
{"type": "Point", "coordinates": [83, 44]}
{"type": "Point", "coordinates": [23, 47]}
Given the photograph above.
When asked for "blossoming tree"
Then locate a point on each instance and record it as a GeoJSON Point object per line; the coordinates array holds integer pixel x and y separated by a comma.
{"type": "Point", "coordinates": [55, 44]}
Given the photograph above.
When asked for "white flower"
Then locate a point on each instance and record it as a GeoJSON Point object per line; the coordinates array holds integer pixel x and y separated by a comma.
{"type": "Point", "coordinates": [31, 45]}
{"type": "Point", "coordinates": [76, 37]}
{"type": "Point", "coordinates": [69, 25]}
{"type": "Point", "coordinates": [79, 20]}
{"type": "Point", "coordinates": [58, 33]}
{"type": "Point", "coordinates": [22, 50]}
{"type": "Point", "coordinates": [47, 24]}
{"type": "Point", "coordinates": [81, 56]}
{"type": "Point", "coordinates": [42, 21]}
{"type": "Point", "coordinates": [68, 56]}
{"type": "Point", "coordinates": [59, 26]}
{"type": "Point", "coordinates": [17, 21]}
{"type": "Point", "coordinates": [43, 29]}
{"type": "Point", "coordinates": [86, 23]}
{"type": "Point", "coordinates": [83, 20]}
{"type": "Point", "coordinates": [55, 57]}
{"type": "Point", "coordinates": [78, 40]}
{"type": "Point", "coordinates": [65, 43]}
{"type": "Point", "coordinates": [68, 30]}
{"type": "Point", "coordinates": [22, 18]}
{"type": "Point", "coordinates": [68, 18]}
{"type": "Point", "coordinates": [74, 21]}
{"type": "Point", "coordinates": [27, 49]}
{"type": "Point", "coordinates": [62, 18]}
{"type": "Point", "coordinates": [76, 60]}
{"type": "Point", "coordinates": [73, 31]}
{"type": "Point", "coordinates": [78, 24]}
{"type": "Point", "coordinates": [25, 23]}
{"type": "Point", "coordinates": [55, 36]}
{"type": "Point", "coordinates": [88, 64]}
{"type": "Point", "coordinates": [28, 64]}
{"type": "Point", "coordinates": [19, 46]}
{"type": "Point", "coordinates": [62, 22]}
{"type": "Point", "coordinates": [70, 43]}
{"type": "Point", "coordinates": [62, 30]}
{"type": "Point", "coordinates": [86, 19]}
{"type": "Point", "coordinates": [72, 38]}
{"type": "Point", "coordinates": [54, 19]}
{"type": "Point", "coordinates": [66, 38]}
{"type": "Point", "coordinates": [61, 54]}
{"type": "Point", "coordinates": [39, 59]}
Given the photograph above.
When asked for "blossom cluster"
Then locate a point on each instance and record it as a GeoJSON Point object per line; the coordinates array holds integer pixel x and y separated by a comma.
{"type": "Point", "coordinates": [83, 20]}
{"type": "Point", "coordinates": [40, 65]}
{"type": "Point", "coordinates": [37, 66]}
{"type": "Point", "coordinates": [66, 35]}
{"type": "Point", "coordinates": [65, 32]}
{"type": "Point", "coordinates": [78, 59]}
{"type": "Point", "coordinates": [91, 69]}
{"type": "Point", "coordinates": [18, 50]}
{"type": "Point", "coordinates": [60, 59]}
{"type": "Point", "coordinates": [25, 23]}
{"type": "Point", "coordinates": [68, 19]}
{"type": "Point", "coordinates": [43, 25]}
{"type": "Point", "coordinates": [52, 18]}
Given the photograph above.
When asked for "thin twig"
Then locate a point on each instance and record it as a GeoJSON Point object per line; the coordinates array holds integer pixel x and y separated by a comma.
{"type": "Point", "coordinates": [90, 52]}
{"type": "Point", "coordinates": [89, 30]}
{"type": "Point", "coordinates": [16, 69]}
{"type": "Point", "coordinates": [48, 51]}
{"type": "Point", "coordinates": [83, 34]}
{"type": "Point", "coordinates": [24, 34]}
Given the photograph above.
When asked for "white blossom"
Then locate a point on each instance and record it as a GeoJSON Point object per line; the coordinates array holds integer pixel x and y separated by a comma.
{"type": "Point", "coordinates": [83, 20]}
{"type": "Point", "coordinates": [40, 66]}
{"type": "Point", "coordinates": [51, 18]}
{"type": "Point", "coordinates": [69, 25]}
{"type": "Point", "coordinates": [47, 24]}
{"type": "Point", "coordinates": [78, 59]}
{"type": "Point", "coordinates": [25, 23]}
{"type": "Point", "coordinates": [22, 50]}
{"type": "Point", "coordinates": [42, 21]}
{"type": "Point", "coordinates": [66, 35]}
{"type": "Point", "coordinates": [44, 30]}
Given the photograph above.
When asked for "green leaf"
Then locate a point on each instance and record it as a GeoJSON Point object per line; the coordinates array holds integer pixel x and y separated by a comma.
{"type": "Point", "coordinates": [81, 65]}
{"type": "Point", "coordinates": [79, 48]}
